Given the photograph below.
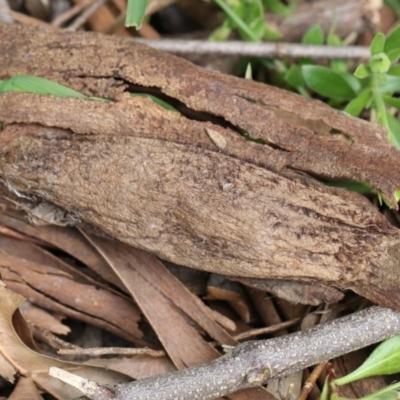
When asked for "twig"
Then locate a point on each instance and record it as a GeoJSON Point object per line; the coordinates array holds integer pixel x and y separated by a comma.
{"type": "Point", "coordinates": [252, 364]}
{"type": "Point", "coordinates": [309, 384]}
{"type": "Point", "coordinates": [22, 18]}
{"type": "Point", "coordinates": [70, 13]}
{"type": "Point", "coordinates": [266, 330]}
{"type": "Point", "coordinates": [257, 49]}
{"type": "Point", "coordinates": [101, 351]}
{"type": "Point", "coordinates": [81, 20]}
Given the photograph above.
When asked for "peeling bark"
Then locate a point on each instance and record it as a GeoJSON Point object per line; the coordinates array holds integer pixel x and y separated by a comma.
{"type": "Point", "coordinates": [297, 131]}
{"type": "Point", "coordinates": [192, 192]}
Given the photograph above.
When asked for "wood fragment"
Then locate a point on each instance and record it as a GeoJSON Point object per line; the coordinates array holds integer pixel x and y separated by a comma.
{"type": "Point", "coordinates": [155, 180]}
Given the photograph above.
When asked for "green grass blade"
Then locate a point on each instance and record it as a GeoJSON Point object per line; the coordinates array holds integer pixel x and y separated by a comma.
{"type": "Point", "coordinates": [135, 13]}
{"type": "Point", "coordinates": [237, 20]}
{"type": "Point", "coordinates": [156, 100]}
{"type": "Point", "coordinates": [37, 85]}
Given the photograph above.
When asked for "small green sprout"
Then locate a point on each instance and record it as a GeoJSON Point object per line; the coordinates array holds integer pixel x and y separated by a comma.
{"type": "Point", "coordinates": [248, 18]}
{"type": "Point", "coordinates": [384, 360]}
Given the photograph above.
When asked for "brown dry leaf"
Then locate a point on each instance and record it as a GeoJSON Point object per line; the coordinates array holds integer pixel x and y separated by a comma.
{"type": "Point", "coordinates": [155, 272]}
{"type": "Point", "coordinates": [25, 389]}
{"type": "Point", "coordinates": [7, 371]}
{"type": "Point", "coordinates": [181, 341]}
{"type": "Point", "coordinates": [30, 364]}
{"type": "Point", "coordinates": [44, 319]}
{"type": "Point", "coordinates": [219, 288]}
{"type": "Point", "coordinates": [146, 278]}
{"type": "Point", "coordinates": [44, 283]}
{"type": "Point", "coordinates": [68, 239]}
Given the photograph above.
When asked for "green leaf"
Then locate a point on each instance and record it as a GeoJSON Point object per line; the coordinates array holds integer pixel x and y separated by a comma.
{"type": "Point", "coordinates": [37, 85]}
{"type": "Point", "coordinates": [334, 40]}
{"type": "Point", "coordinates": [397, 195]}
{"type": "Point", "coordinates": [351, 80]}
{"type": "Point", "coordinates": [387, 393]}
{"type": "Point", "coordinates": [359, 103]}
{"type": "Point", "coordinates": [379, 63]}
{"type": "Point", "coordinates": [325, 390]}
{"type": "Point", "coordinates": [294, 76]}
{"type": "Point", "coordinates": [392, 40]}
{"type": "Point", "coordinates": [391, 85]}
{"type": "Point", "coordinates": [135, 13]}
{"type": "Point", "coordinates": [239, 22]}
{"type": "Point", "coordinates": [339, 65]}
{"type": "Point", "coordinates": [382, 395]}
{"type": "Point", "coordinates": [384, 360]}
{"type": "Point", "coordinates": [156, 100]}
{"type": "Point", "coordinates": [315, 35]}
{"type": "Point", "coordinates": [362, 71]}
{"type": "Point", "coordinates": [328, 83]}
{"type": "Point", "coordinates": [352, 186]}
{"type": "Point", "coordinates": [394, 130]}
{"type": "Point", "coordinates": [378, 44]}
{"type": "Point", "coordinates": [392, 101]}
{"type": "Point", "coordinates": [221, 33]}
{"type": "Point", "coordinates": [271, 33]}
{"type": "Point", "coordinates": [249, 72]}
{"type": "Point", "coordinates": [394, 70]}
{"type": "Point", "coordinates": [394, 55]}
{"type": "Point", "coordinates": [276, 6]}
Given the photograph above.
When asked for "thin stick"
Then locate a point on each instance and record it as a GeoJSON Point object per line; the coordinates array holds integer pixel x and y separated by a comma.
{"type": "Point", "coordinates": [68, 14]}
{"type": "Point", "coordinates": [310, 382]}
{"type": "Point", "coordinates": [252, 364]}
{"type": "Point", "coordinates": [269, 329]}
{"type": "Point", "coordinates": [265, 49]}
{"type": "Point", "coordinates": [82, 19]}
{"type": "Point", "coordinates": [22, 18]}
{"type": "Point", "coordinates": [100, 351]}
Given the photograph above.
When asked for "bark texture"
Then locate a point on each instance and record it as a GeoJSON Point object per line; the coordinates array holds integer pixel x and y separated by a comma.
{"type": "Point", "coordinates": [193, 192]}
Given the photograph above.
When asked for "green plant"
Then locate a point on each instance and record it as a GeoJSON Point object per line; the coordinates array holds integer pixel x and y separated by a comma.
{"type": "Point", "coordinates": [373, 86]}
{"type": "Point", "coordinates": [135, 12]}
{"type": "Point", "coordinates": [296, 76]}
{"type": "Point", "coordinates": [247, 17]}
{"type": "Point", "coordinates": [384, 360]}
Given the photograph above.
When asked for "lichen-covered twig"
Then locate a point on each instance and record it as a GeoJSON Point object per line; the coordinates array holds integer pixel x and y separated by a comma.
{"type": "Point", "coordinates": [253, 363]}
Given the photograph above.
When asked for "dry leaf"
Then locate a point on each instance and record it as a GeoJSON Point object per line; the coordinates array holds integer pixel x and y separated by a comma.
{"type": "Point", "coordinates": [67, 292]}
{"type": "Point", "coordinates": [25, 389]}
{"type": "Point", "coordinates": [29, 363]}
{"type": "Point", "coordinates": [146, 278]}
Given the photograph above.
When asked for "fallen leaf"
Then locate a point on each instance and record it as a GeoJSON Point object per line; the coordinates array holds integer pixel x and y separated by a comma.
{"type": "Point", "coordinates": [33, 365]}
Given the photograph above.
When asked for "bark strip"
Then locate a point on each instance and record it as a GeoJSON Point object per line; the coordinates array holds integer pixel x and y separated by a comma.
{"type": "Point", "coordinates": [209, 211]}
{"type": "Point", "coordinates": [194, 192]}
{"type": "Point", "coordinates": [308, 135]}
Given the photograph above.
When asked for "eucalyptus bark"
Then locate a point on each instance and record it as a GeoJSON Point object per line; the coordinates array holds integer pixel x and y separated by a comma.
{"type": "Point", "coordinates": [197, 193]}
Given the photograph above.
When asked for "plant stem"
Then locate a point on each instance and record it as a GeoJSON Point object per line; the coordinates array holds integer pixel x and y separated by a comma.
{"type": "Point", "coordinates": [253, 363]}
